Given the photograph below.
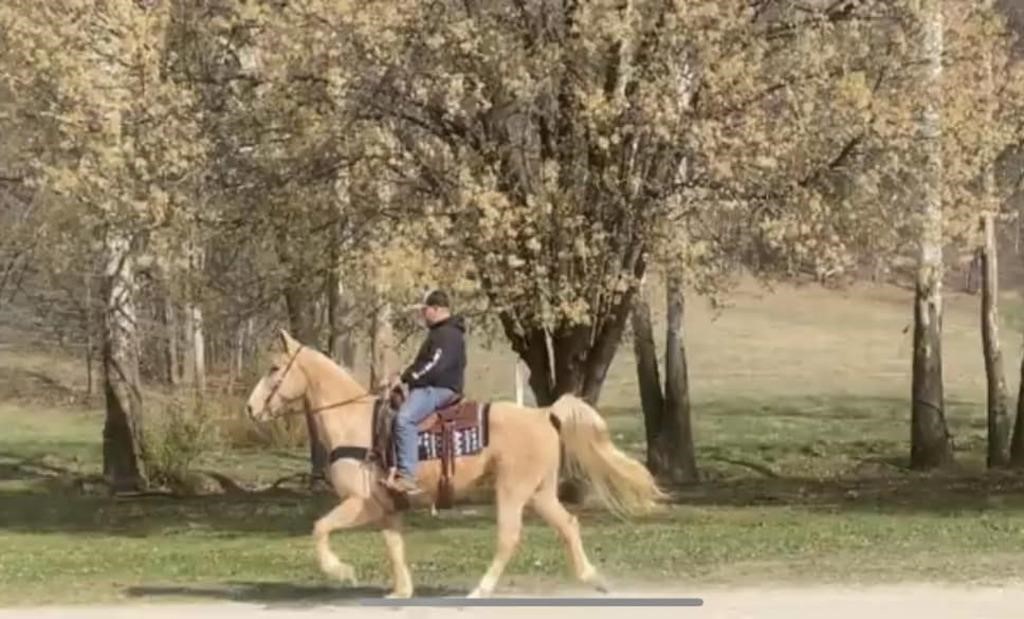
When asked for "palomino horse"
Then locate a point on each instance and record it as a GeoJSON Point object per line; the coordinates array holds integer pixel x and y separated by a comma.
{"type": "Point", "coordinates": [522, 456]}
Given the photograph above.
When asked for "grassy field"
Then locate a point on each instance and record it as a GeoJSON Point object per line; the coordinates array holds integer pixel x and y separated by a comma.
{"type": "Point", "coordinates": [801, 412]}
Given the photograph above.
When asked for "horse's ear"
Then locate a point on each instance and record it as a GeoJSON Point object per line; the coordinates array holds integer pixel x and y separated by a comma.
{"type": "Point", "coordinates": [288, 343]}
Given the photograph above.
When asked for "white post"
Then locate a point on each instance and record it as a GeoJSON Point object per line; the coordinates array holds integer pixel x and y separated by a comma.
{"type": "Point", "coordinates": [519, 381]}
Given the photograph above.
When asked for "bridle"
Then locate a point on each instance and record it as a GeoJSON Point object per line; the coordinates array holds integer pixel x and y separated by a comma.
{"type": "Point", "coordinates": [277, 385]}
{"type": "Point", "coordinates": [357, 452]}
{"type": "Point", "coordinates": [280, 379]}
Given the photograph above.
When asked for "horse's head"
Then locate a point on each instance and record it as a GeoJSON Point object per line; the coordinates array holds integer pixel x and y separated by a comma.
{"type": "Point", "coordinates": [284, 384]}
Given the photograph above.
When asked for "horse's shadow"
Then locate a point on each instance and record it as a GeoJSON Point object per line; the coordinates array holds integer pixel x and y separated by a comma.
{"type": "Point", "coordinates": [282, 594]}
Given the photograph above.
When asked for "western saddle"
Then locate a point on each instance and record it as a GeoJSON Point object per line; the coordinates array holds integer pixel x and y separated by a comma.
{"type": "Point", "coordinates": [443, 426]}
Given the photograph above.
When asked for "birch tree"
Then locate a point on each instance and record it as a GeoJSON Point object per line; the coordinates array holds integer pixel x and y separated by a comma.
{"type": "Point", "coordinates": [125, 145]}
{"type": "Point", "coordinates": [930, 441]}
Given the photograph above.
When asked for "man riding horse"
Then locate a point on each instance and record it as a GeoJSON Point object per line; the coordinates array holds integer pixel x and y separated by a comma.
{"type": "Point", "coordinates": [520, 450]}
{"type": "Point", "coordinates": [435, 377]}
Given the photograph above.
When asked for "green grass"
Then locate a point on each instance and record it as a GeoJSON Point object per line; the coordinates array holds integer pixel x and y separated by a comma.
{"type": "Point", "coordinates": [801, 421]}
{"type": "Point", "coordinates": [85, 549]}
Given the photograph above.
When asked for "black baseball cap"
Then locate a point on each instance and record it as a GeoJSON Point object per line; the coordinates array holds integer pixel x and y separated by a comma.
{"type": "Point", "coordinates": [433, 298]}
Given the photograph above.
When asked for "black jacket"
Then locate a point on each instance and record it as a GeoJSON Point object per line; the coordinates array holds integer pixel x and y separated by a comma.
{"type": "Point", "coordinates": [441, 360]}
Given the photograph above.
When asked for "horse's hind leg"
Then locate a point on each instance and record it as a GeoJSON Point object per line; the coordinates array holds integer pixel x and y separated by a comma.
{"type": "Point", "coordinates": [545, 502]}
{"type": "Point", "coordinates": [510, 503]}
{"type": "Point", "coordinates": [352, 512]}
{"type": "Point", "coordinates": [392, 530]}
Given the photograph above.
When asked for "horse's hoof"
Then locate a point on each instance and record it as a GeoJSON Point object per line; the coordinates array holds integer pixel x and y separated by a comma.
{"type": "Point", "coordinates": [597, 581]}
{"type": "Point", "coordinates": [399, 595]}
{"type": "Point", "coordinates": [478, 593]}
{"type": "Point", "coordinates": [345, 574]}
{"type": "Point", "coordinates": [348, 576]}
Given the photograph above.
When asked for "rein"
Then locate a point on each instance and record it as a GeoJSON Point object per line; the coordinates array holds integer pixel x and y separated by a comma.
{"type": "Point", "coordinates": [340, 452]}
{"type": "Point", "coordinates": [342, 403]}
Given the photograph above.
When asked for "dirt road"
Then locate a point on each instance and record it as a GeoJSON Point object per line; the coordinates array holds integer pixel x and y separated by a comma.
{"type": "Point", "coordinates": [904, 601]}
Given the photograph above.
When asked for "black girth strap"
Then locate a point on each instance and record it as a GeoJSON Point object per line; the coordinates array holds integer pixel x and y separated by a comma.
{"type": "Point", "coordinates": [361, 453]}
{"type": "Point", "coordinates": [358, 453]}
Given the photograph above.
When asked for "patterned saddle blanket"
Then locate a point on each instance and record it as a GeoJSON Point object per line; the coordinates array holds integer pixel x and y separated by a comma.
{"type": "Point", "coordinates": [465, 435]}
{"type": "Point", "coordinates": [459, 428]}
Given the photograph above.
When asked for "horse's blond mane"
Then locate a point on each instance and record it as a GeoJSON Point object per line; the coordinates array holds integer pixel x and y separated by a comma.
{"type": "Point", "coordinates": [336, 371]}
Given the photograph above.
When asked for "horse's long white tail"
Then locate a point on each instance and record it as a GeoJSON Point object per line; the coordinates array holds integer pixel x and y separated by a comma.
{"type": "Point", "coordinates": [622, 483]}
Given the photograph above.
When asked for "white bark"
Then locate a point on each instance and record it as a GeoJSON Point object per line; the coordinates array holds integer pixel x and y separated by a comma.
{"type": "Point", "coordinates": [198, 347]}
{"type": "Point", "coordinates": [381, 343]}
{"type": "Point", "coordinates": [520, 391]}
{"type": "Point", "coordinates": [998, 417]}
{"type": "Point", "coordinates": [122, 432]}
{"type": "Point", "coordinates": [930, 446]}
{"type": "Point", "coordinates": [239, 360]}
{"type": "Point", "coordinates": [195, 337]}
{"type": "Point", "coordinates": [931, 238]}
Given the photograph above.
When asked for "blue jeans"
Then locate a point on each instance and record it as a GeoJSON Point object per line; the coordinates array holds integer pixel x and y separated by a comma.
{"type": "Point", "coordinates": [422, 401]}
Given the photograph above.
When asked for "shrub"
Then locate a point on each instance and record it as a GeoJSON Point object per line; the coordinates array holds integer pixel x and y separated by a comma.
{"type": "Point", "coordinates": [240, 432]}
{"type": "Point", "coordinates": [181, 436]}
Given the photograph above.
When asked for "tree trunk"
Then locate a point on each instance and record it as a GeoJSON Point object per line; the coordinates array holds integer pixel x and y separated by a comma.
{"type": "Point", "coordinates": [197, 331]}
{"type": "Point", "coordinates": [648, 379]}
{"type": "Point", "coordinates": [199, 323]}
{"type": "Point", "coordinates": [341, 346]}
{"type": "Point", "coordinates": [89, 330]}
{"type": "Point", "coordinates": [170, 321]}
{"type": "Point", "coordinates": [381, 346]}
{"type": "Point", "coordinates": [573, 359]}
{"type": "Point", "coordinates": [250, 346]}
{"type": "Point", "coordinates": [190, 362]}
{"type": "Point", "coordinates": [334, 316]}
{"type": "Point", "coordinates": [301, 314]}
{"type": "Point", "coordinates": [196, 347]}
{"type": "Point", "coordinates": [195, 352]}
{"type": "Point", "coordinates": [238, 358]}
{"type": "Point", "coordinates": [534, 353]}
{"type": "Point", "coordinates": [548, 380]}
{"type": "Point", "coordinates": [930, 442]}
{"type": "Point", "coordinates": [1017, 441]}
{"type": "Point", "coordinates": [122, 432]}
{"type": "Point", "coordinates": [301, 318]}
{"type": "Point", "coordinates": [517, 379]}
{"type": "Point", "coordinates": [675, 441]}
{"type": "Point", "coordinates": [998, 417]}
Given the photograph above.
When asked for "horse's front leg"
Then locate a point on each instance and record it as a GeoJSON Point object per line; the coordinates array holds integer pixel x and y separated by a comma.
{"type": "Point", "coordinates": [352, 512]}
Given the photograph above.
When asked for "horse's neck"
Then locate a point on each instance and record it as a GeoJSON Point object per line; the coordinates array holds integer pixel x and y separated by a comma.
{"type": "Point", "coordinates": [329, 384]}
{"type": "Point", "coordinates": [341, 407]}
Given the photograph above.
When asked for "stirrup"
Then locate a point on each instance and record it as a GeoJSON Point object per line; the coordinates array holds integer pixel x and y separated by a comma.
{"type": "Point", "coordinates": [391, 484]}
{"type": "Point", "coordinates": [389, 479]}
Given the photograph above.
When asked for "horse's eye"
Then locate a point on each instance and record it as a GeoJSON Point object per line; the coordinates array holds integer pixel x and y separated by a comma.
{"type": "Point", "coordinates": [273, 369]}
